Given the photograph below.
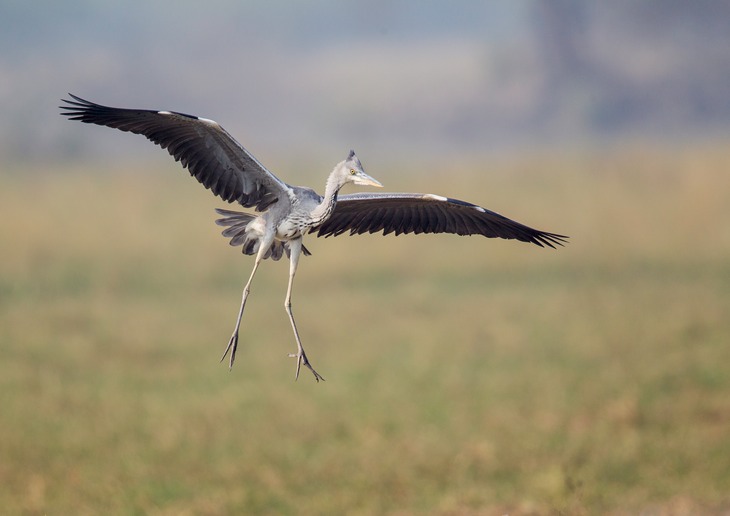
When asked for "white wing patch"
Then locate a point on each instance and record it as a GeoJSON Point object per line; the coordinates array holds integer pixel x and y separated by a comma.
{"type": "Point", "coordinates": [441, 198]}
{"type": "Point", "coordinates": [198, 118]}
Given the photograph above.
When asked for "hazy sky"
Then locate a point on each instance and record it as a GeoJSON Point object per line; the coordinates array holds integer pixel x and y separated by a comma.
{"type": "Point", "coordinates": [275, 71]}
{"type": "Point", "coordinates": [415, 78]}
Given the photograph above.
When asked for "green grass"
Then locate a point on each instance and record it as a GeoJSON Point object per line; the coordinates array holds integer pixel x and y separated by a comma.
{"type": "Point", "coordinates": [464, 375]}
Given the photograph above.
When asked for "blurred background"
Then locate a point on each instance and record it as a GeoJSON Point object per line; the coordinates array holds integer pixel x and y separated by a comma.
{"type": "Point", "coordinates": [463, 375]}
{"type": "Point", "coordinates": [409, 78]}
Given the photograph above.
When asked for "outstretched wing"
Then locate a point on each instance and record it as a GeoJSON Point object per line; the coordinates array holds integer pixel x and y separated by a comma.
{"type": "Point", "coordinates": [202, 146]}
{"type": "Point", "coordinates": [425, 213]}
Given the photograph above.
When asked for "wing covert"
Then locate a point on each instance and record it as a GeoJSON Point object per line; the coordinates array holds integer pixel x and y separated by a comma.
{"type": "Point", "coordinates": [425, 213]}
{"type": "Point", "coordinates": [210, 154]}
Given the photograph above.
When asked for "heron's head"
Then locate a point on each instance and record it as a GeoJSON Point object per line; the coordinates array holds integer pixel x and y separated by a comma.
{"type": "Point", "coordinates": [354, 173]}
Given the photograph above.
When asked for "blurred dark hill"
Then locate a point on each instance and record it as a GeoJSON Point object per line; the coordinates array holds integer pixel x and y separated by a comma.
{"type": "Point", "coordinates": [390, 78]}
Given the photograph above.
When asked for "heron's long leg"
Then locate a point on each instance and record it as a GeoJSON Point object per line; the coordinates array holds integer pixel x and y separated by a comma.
{"type": "Point", "coordinates": [233, 342]}
{"type": "Point", "coordinates": [295, 249]}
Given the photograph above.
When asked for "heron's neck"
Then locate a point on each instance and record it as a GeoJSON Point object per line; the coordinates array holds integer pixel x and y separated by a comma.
{"type": "Point", "coordinates": [323, 211]}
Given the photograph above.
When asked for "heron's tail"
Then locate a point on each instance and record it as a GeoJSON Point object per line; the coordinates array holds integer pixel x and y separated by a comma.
{"type": "Point", "coordinates": [241, 229]}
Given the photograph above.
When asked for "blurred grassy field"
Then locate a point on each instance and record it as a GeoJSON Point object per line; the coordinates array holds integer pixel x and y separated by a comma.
{"type": "Point", "coordinates": [464, 375]}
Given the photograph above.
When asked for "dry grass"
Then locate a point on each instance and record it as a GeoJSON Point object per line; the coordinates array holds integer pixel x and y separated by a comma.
{"type": "Point", "coordinates": [463, 375]}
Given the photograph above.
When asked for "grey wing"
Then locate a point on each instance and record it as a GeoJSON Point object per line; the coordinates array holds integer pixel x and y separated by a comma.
{"type": "Point", "coordinates": [425, 213]}
{"type": "Point", "coordinates": [202, 146]}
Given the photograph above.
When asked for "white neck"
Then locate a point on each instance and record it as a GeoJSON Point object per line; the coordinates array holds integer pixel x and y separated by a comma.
{"type": "Point", "coordinates": [323, 211]}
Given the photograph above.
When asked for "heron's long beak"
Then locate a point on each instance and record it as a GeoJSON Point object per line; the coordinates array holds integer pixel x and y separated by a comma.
{"type": "Point", "coordinates": [362, 179]}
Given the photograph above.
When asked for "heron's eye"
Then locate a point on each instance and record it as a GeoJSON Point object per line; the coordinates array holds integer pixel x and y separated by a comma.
{"type": "Point", "coordinates": [352, 172]}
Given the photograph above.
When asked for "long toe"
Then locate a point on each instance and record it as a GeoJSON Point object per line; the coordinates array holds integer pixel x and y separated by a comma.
{"type": "Point", "coordinates": [232, 345]}
{"type": "Point", "coordinates": [302, 359]}
{"type": "Point", "coordinates": [317, 376]}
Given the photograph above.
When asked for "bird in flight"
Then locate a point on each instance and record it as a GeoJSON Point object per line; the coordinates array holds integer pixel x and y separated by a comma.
{"type": "Point", "coordinates": [285, 213]}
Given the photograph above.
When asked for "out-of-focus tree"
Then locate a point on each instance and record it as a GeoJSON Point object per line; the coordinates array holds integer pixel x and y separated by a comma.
{"type": "Point", "coordinates": [657, 65]}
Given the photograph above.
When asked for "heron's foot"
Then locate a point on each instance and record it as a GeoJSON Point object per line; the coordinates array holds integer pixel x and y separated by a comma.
{"type": "Point", "coordinates": [301, 357]}
{"type": "Point", "coordinates": [232, 345]}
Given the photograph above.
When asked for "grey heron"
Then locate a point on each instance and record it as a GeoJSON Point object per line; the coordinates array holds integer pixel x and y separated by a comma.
{"type": "Point", "coordinates": [287, 213]}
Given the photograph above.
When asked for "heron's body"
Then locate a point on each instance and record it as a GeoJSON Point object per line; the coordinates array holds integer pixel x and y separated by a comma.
{"type": "Point", "coordinates": [287, 213]}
